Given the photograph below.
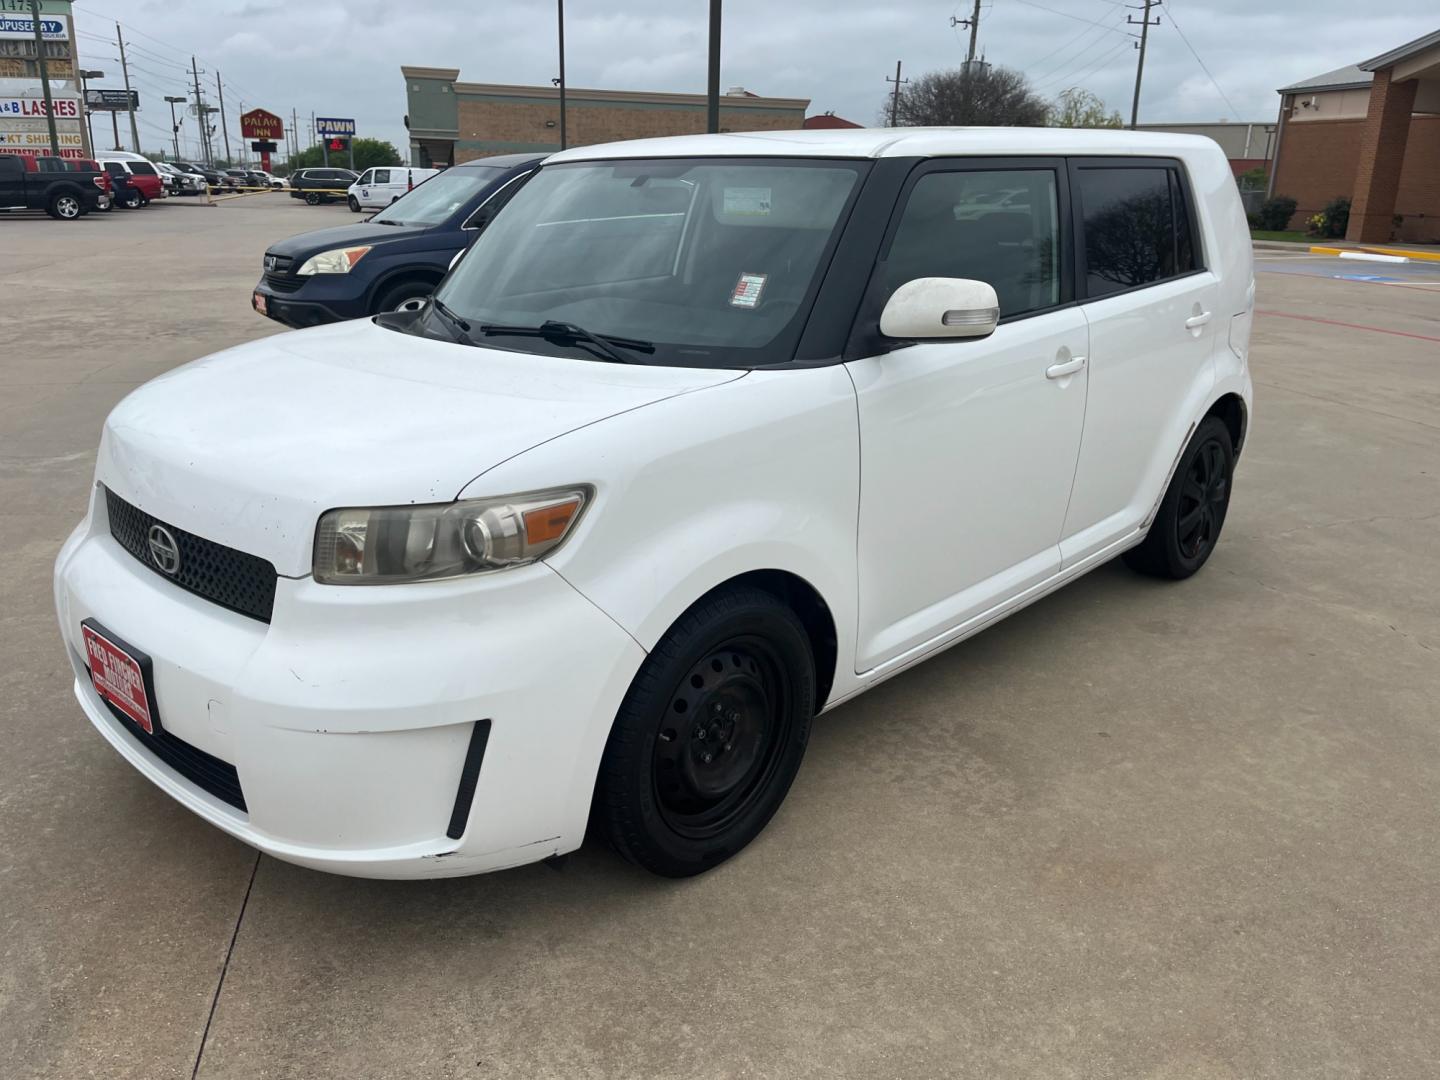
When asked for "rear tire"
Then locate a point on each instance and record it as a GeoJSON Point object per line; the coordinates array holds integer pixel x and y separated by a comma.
{"type": "Point", "coordinates": [65, 207]}
{"type": "Point", "coordinates": [710, 734]}
{"type": "Point", "coordinates": [131, 200]}
{"type": "Point", "coordinates": [1187, 525]}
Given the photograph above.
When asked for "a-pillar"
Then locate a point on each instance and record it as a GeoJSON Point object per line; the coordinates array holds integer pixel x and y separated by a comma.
{"type": "Point", "coordinates": [1382, 152]}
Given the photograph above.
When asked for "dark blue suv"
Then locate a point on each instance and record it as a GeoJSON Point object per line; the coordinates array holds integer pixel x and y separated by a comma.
{"type": "Point", "coordinates": [395, 257]}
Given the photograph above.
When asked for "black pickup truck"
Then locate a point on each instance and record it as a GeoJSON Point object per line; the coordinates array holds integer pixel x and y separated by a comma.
{"type": "Point", "coordinates": [65, 190]}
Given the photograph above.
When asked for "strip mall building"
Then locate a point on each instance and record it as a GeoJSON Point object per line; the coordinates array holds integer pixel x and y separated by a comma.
{"type": "Point", "coordinates": [1370, 131]}
{"type": "Point", "coordinates": [452, 121]}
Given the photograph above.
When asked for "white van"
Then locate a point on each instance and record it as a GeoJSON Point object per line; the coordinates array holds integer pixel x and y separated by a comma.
{"type": "Point", "coordinates": [378, 188]}
{"type": "Point", "coordinates": [705, 436]}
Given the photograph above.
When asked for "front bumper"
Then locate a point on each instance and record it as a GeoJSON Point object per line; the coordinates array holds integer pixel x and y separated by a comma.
{"type": "Point", "coordinates": [298, 311]}
{"type": "Point", "coordinates": [349, 716]}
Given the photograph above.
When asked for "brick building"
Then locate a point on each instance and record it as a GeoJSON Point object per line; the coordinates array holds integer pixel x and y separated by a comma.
{"type": "Point", "coordinates": [452, 121]}
{"type": "Point", "coordinates": [1370, 131]}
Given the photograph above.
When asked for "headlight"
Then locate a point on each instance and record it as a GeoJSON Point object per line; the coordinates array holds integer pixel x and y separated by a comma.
{"type": "Point", "coordinates": [388, 545]}
{"type": "Point", "coordinates": [336, 261]}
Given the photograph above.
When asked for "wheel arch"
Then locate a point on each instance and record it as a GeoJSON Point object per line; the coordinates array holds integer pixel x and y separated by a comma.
{"type": "Point", "coordinates": [801, 597]}
{"type": "Point", "coordinates": [429, 275]}
{"type": "Point", "coordinates": [1230, 408]}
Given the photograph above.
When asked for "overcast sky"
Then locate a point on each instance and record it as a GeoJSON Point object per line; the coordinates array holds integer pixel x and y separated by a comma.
{"type": "Point", "coordinates": [343, 58]}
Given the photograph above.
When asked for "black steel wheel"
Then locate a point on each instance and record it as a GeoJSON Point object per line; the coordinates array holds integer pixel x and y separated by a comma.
{"type": "Point", "coordinates": [1192, 513]}
{"type": "Point", "coordinates": [710, 735]}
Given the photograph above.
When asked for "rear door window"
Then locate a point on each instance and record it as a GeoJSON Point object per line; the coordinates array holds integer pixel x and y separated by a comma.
{"type": "Point", "coordinates": [1136, 226]}
{"type": "Point", "coordinates": [142, 168]}
{"type": "Point", "coordinates": [382, 176]}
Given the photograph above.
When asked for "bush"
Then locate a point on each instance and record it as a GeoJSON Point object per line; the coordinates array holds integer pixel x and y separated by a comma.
{"type": "Point", "coordinates": [1275, 213]}
{"type": "Point", "coordinates": [1337, 216]}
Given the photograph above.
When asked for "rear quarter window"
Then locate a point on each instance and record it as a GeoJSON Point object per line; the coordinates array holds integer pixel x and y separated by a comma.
{"type": "Point", "coordinates": [142, 168]}
{"type": "Point", "coordinates": [1135, 226]}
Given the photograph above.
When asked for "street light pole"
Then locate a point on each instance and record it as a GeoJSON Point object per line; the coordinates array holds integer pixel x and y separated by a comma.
{"type": "Point", "coordinates": [712, 97]}
{"type": "Point", "coordinates": [560, 15]}
{"type": "Point", "coordinates": [175, 124]}
{"type": "Point", "coordinates": [85, 76]}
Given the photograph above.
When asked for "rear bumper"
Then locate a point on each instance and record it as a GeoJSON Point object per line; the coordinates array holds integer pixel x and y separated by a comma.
{"type": "Point", "coordinates": [349, 717]}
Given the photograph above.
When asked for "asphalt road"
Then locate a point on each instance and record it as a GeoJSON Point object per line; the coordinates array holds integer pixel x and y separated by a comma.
{"type": "Point", "coordinates": [1138, 830]}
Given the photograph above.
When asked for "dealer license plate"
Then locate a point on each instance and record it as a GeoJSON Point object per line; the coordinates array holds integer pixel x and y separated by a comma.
{"type": "Point", "coordinates": [118, 676]}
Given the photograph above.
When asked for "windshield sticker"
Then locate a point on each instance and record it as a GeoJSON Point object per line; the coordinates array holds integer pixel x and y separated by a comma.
{"type": "Point", "coordinates": [747, 290]}
{"type": "Point", "coordinates": [752, 201]}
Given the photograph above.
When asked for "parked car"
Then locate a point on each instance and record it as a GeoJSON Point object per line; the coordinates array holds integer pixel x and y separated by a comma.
{"type": "Point", "coordinates": [279, 183]}
{"type": "Point", "coordinates": [211, 176]}
{"type": "Point", "coordinates": [704, 435]}
{"type": "Point", "coordinates": [136, 180]}
{"type": "Point", "coordinates": [394, 259]}
{"type": "Point", "coordinates": [178, 181]}
{"type": "Point", "coordinates": [318, 186]}
{"type": "Point", "coordinates": [381, 187]}
{"type": "Point", "coordinates": [54, 185]}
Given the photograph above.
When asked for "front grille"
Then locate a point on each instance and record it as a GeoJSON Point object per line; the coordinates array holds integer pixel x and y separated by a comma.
{"type": "Point", "coordinates": [222, 575]}
{"type": "Point", "coordinates": [205, 771]}
{"type": "Point", "coordinates": [281, 283]}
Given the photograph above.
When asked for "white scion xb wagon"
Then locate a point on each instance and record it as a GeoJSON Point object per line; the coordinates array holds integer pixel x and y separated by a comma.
{"type": "Point", "coordinates": [705, 435]}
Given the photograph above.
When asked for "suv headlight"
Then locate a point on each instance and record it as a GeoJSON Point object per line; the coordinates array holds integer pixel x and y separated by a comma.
{"type": "Point", "coordinates": [388, 545]}
{"type": "Point", "coordinates": [335, 261]}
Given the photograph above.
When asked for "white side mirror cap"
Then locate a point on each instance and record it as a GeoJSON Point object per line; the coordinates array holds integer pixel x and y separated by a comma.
{"type": "Point", "coordinates": [937, 307]}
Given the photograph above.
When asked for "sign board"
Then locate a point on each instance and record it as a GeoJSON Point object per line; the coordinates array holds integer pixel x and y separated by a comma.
{"type": "Point", "coordinates": [259, 124]}
{"type": "Point", "coordinates": [38, 142]}
{"type": "Point", "coordinates": [24, 107]}
{"type": "Point", "coordinates": [329, 125]}
{"type": "Point", "coordinates": [23, 26]}
{"type": "Point", "coordinates": [112, 100]}
{"type": "Point", "coordinates": [263, 146]}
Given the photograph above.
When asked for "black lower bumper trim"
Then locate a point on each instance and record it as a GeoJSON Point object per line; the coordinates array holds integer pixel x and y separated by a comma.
{"type": "Point", "coordinates": [469, 777]}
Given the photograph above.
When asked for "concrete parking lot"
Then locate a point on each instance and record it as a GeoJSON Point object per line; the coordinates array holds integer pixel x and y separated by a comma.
{"type": "Point", "coordinates": [1138, 830]}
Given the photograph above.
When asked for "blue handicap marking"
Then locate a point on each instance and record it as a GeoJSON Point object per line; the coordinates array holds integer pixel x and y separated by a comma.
{"type": "Point", "coordinates": [1370, 277]}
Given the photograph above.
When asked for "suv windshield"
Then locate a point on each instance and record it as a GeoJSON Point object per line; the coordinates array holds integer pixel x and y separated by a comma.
{"type": "Point", "coordinates": [713, 261]}
{"type": "Point", "coordinates": [434, 200]}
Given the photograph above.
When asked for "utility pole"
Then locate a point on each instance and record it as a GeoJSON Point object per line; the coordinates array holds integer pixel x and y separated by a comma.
{"type": "Point", "coordinates": [294, 137]}
{"type": "Point", "coordinates": [125, 70]}
{"type": "Point", "coordinates": [560, 22]}
{"type": "Point", "coordinates": [44, 78]}
{"type": "Point", "coordinates": [224, 130]}
{"type": "Point", "coordinates": [200, 114]}
{"type": "Point", "coordinates": [712, 94]}
{"type": "Point", "coordinates": [895, 96]}
{"type": "Point", "coordinates": [1144, 23]}
{"type": "Point", "coordinates": [175, 124]}
{"type": "Point", "coordinates": [974, 25]}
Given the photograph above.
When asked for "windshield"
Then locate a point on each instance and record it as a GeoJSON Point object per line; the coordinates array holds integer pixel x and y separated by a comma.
{"type": "Point", "coordinates": [714, 261]}
{"type": "Point", "coordinates": [434, 200]}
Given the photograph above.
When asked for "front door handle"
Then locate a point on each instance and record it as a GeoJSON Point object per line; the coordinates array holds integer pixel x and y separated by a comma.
{"type": "Point", "coordinates": [1065, 367]}
{"type": "Point", "coordinates": [1197, 321]}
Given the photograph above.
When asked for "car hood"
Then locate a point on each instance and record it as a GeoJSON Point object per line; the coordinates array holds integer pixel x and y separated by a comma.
{"type": "Point", "coordinates": [248, 447]}
{"type": "Point", "coordinates": [310, 243]}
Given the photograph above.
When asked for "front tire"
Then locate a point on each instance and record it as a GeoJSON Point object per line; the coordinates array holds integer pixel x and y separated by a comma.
{"type": "Point", "coordinates": [396, 297]}
{"type": "Point", "coordinates": [354, 204]}
{"type": "Point", "coordinates": [312, 198]}
{"type": "Point", "coordinates": [1187, 526]}
{"type": "Point", "coordinates": [710, 735]}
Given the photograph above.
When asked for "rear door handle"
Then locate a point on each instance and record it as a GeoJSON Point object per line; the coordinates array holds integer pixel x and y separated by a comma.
{"type": "Point", "coordinates": [1065, 367]}
{"type": "Point", "coordinates": [1197, 321]}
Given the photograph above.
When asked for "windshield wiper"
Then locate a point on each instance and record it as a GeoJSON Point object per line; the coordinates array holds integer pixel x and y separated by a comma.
{"type": "Point", "coordinates": [569, 333]}
{"type": "Point", "coordinates": [459, 328]}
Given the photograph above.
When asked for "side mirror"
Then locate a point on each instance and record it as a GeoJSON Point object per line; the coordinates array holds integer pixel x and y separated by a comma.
{"type": "Point", "coordinates": [937, 307]}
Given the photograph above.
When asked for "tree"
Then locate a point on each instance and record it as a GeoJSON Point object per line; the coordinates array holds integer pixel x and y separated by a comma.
{"type": "Point", "coordinates": [1077, 108]}
{"type": "Point", "coordinates": [369, 153]}
{"type": "Point", "coordinates": [982, 95]}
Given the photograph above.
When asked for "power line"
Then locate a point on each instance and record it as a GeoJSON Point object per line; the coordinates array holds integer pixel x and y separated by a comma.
{"type": "Point", "coordinates": [1077, 18]}
{"type": "Point", "coordinates": [1066, 69]}
{"type": "Point", "coordinates": [1082, 35]}
{"type": "Point", "coordinates": [1110, 56]}
{"type": "Point", "coordinates": [1233, 111]}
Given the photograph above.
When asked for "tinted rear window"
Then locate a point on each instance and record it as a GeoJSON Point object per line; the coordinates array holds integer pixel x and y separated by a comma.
{"type": "Point", "coordinates": [142, 168]}
{"type": "Point", "coordinates": [1136, 227]}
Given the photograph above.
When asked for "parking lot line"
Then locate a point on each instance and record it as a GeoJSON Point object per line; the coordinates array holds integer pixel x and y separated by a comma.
{"type": "Point", "coordinates": [1349, 325]}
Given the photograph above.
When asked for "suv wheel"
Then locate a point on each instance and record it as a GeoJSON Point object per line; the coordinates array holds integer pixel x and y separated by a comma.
{"type": "Point", "coordinates": [1187, 526]}
{"type": "Point", "coordinates": [405, 296]}
{"type": "Point", "coordinates": [312, 198]}
{"type": "Point", "coordinates": [65, 207]}
{"type": "Point", "coordinates": [710, 734]}
{"type": "Point", "coordinates": [131, 200]}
